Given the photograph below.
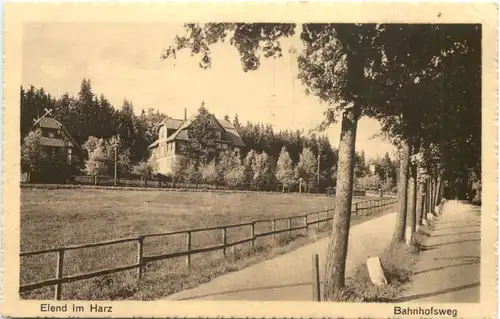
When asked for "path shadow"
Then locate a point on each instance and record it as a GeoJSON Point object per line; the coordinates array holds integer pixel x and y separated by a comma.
{"type": "Point", "coordinates": [445, 267]}
{"type": "Point", "coordinates": [470, 258]}
{"type": "Point", "coordinates": [436, 246]}
{"type": "Point", "coordinates": [459, 222]}
{"type": "Point", "coordinates": [436, 293]}
{"type": "Point", "coordinates": [455, 227]}
{"type": "Point", "coordinates": [455, 234]}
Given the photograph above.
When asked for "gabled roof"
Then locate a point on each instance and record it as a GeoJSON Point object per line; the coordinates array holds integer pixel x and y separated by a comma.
{"type": "Point", "coordinates": [171, 123]}
{"type": "Point", "coordinates": [230, 131]}
{"type": "Point", "coordinates": [49, 122]}
{"type": "Point", "coordinates": [181, 133]}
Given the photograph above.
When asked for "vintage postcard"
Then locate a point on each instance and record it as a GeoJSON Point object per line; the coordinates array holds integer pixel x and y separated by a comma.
{"type": "Point", "coordinates": [299, 160]}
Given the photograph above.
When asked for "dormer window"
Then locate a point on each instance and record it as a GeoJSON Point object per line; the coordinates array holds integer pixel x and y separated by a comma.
{"type": "Point", "coordinates": [51, 134]}
{"type": "Point", "coordinates": [209, 121]}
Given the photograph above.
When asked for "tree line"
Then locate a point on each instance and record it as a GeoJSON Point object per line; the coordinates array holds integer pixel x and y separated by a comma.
{"type": "Point", "coordinates": [421, 81]}
{"type": "Point", "coordinates": [107, 135]}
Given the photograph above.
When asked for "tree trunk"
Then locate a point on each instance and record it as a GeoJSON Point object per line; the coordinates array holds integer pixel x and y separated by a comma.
{"type": "Point", "coordinates": [399, 231]}
{"type": "Point", "coordinates": [420, 203]}
{"type": "Point", "coordinates": [426, 203]}
{"type": "Point", "coordinates": [337, 248]}
{"type": "Point", "coordinates": [412, 216]}
{"type": "Point", "coordinates": [438, 190]}
{"type": "Point", "coordinates": [431, 192]}
{"type": "Point", "coordinates": [434, 192]}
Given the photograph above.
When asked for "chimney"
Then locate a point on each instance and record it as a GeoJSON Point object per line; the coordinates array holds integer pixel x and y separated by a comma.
{"type": "Point", "coordinates": [185, 114]}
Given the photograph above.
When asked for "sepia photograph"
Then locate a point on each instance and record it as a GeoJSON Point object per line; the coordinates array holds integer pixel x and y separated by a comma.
{"type": "Point", "coordinates": [247, 161]}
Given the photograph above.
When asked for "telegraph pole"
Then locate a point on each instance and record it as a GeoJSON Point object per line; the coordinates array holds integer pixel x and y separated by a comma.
{"type": "Point", "coordinates": [318, 164]}
{"type": "Point", "coordinates": [116, 167]}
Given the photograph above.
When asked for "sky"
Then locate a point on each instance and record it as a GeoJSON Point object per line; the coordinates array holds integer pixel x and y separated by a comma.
{"type": "Point", "coordinates": [122, 60]}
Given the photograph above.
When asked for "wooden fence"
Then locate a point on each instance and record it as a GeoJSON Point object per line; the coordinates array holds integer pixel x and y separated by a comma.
{"type": "Point", "coordinates": [141, 260]}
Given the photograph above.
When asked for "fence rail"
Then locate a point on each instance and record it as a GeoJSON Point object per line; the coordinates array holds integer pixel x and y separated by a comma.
{"type": "Point", "coordinates": [141, 261]}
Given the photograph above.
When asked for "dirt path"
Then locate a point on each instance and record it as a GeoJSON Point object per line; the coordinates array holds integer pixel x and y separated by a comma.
{"type": "Point", "coordinates": [289, 276]}
{"type": "Point", "coordinates": [448, 267]}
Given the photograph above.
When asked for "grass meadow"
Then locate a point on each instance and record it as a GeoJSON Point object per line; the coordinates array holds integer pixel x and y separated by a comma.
{"type": "Point", "coordinates": [61, 217]}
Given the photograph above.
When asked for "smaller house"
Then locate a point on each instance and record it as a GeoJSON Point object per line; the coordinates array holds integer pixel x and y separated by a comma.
{"type": "Point", "coordinates": [55, 137]}
{"type": "Point", "coordinates": [55, 140]}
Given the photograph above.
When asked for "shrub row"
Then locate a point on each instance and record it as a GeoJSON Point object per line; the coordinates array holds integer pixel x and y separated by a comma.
{"type": "Point", "coordinates": [140, 189]}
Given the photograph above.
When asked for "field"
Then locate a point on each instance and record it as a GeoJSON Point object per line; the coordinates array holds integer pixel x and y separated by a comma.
{"type": "Point", "coordinates": [55, 218]}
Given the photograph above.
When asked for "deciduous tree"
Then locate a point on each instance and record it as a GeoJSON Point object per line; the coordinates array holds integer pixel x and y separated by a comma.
{"type": "Point", "coordinates": [285, 172]}
{"type": "Point", "coordinates": [33, 156]}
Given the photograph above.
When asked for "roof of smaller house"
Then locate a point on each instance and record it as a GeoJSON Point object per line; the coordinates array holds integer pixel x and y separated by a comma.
{"type": "Point", "coordinates": [49, 122]}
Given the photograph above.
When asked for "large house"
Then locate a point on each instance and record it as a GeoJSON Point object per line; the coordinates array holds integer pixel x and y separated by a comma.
{"type": "Point", "coordinates": [165, 151]}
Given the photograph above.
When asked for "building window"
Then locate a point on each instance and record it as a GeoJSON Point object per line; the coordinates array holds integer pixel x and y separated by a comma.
{"type": "Point", "coordinates": [219, 135]}
{"type": "Point", "coordinates": [51, 134]}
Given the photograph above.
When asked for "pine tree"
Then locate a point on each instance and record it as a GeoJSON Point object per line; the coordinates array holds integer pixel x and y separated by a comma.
{"type": "Point", "coordinates": [236, 123]}
{"type": "Point", "coordinates": [201, 146]}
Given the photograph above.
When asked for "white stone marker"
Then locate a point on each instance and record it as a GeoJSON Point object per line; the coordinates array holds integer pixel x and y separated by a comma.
{"type": "Point", "coordinates": [375, 271]}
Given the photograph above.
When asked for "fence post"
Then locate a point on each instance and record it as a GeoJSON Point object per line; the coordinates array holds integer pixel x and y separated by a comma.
{"type": "Point", "coordinates": [224, 240]}
{"type": "Point", "coordinates": [188, 244]}
{"type": "Point", "coordinates": [305, 222]}
{"type": "Point", "coordinates": [356, 208]}
{"type": "Point", "coordinates": [289, 226]}
{"type": "Point", "coordinates": [317, 218]}
{"type": "Point", "coordinates": [59, 273]}
{"type": "Point", "coordinates": [315, 278]}
{"type": "Point", "coordinates": [252, 233]}
{"type": "Point", "coordinates": [274, 229]}
{"type": "Point", "coordinates": [140, 250]}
